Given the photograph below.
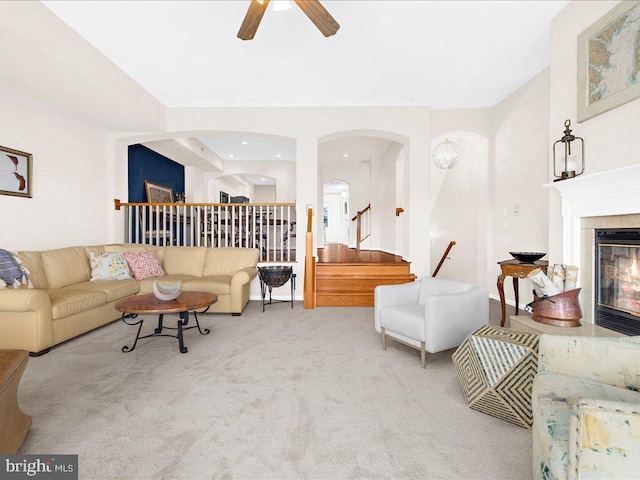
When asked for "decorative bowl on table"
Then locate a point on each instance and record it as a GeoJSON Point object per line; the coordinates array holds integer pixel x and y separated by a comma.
{"type": "Point", "coordinates": [167, 293]}
{"type": "Point", "coordinates": [527, 257]}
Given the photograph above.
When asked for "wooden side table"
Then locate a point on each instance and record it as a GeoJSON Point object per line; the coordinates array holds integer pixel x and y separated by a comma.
{"type": "Point", "coordinates": [14, 424]}
{"type": "Point", "coordinates": [516, 269]}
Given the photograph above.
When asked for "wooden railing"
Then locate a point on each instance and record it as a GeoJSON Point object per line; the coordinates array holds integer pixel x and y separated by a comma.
{"type": "Point", "coordinates": [363, 225]}
{"type": "Point", "coordinates": [309, 300]}
{"type": "Point", "coordinates": [267, 226]}
{"type": "Point", "coordinates": [444, 257]}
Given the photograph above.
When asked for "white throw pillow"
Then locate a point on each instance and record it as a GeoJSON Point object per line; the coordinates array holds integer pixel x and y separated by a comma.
{"type": "Point", "coordinates": [108, 266]}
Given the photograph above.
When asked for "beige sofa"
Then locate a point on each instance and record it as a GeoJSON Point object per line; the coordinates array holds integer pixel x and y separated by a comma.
{"type": "Point", "coordinates": [64, 303]}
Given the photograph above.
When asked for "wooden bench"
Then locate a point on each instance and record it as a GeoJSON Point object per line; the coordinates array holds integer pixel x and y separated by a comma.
{"type": "Point", "coordinates": [14, 424]}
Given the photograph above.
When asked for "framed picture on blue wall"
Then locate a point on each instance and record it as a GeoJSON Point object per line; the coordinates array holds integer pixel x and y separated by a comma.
{"type": "Point", "coordinates": [158, 193]}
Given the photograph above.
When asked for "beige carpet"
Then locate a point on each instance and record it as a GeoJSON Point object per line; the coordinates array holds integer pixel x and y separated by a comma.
{"type": "Point", "coordinates": [284, 394]}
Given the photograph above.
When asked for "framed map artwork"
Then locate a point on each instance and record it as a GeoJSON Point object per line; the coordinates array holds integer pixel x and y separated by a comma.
{"type": "Point", "coordinates": [15, 172]}
{"type": "Point", "coordinates": [609, 61]}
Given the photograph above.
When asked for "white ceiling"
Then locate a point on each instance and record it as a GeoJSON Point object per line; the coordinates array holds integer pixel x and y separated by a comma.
{"type": "Point", "coordinates": [443, 54]}
{"type": "Point", "coordinates": [231, 148]}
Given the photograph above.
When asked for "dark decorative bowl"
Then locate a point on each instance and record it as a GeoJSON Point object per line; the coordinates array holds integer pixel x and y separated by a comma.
{"type": "Point", "coordinates": [527, 257]}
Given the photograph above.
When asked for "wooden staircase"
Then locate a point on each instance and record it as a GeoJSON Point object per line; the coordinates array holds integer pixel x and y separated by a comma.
{"type": "Point", "coordinates": [346, 277]}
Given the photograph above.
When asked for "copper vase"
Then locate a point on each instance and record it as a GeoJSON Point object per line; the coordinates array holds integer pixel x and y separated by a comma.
{"type": "Point", "coordinates": [562, 310]}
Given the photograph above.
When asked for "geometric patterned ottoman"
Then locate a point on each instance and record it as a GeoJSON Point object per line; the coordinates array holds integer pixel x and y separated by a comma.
{"type": "Point", "coordinates": [496, 367]}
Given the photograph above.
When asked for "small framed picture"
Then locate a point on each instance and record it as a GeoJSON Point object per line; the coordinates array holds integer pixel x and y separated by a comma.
{"type": "Point", "coordinates": [158, 193]}
{"type": "Point", "coordinates": [15, 172]}
{"type": "Point", "coordinates": [224, 197]}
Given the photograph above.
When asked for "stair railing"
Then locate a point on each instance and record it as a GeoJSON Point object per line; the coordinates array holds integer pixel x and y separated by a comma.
{"type": "Point", "coordinates": [363, 225]}
{"type": "Point", "coordinates": [309, 299]}
{"type": "Point", "coordinates": [266, 226]}
{"type": "Point", "coordinates": [444, 257]}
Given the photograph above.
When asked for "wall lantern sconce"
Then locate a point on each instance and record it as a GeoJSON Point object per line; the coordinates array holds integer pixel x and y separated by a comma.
{"type": "Point", "coordinates": [446, 154]}
{"type": "Point", "coordinates": [570, 160]}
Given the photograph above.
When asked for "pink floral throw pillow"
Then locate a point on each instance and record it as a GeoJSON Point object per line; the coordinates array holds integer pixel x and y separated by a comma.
{"type": "Point", "coordinates": [144, 265]}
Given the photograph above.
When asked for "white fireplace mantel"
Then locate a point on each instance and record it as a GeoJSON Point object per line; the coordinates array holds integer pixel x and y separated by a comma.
{"type": "Point", "coordinates": [614, 192]}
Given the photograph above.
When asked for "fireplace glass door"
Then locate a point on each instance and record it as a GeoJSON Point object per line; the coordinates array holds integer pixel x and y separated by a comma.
{"type": "Point", "coordinates": [618, 281]}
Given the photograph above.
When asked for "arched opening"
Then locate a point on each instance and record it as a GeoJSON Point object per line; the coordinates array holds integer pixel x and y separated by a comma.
{"type": "Point", "coordinates": [459, 208]}
{"type": "Point", "coordinates": [366, 161]}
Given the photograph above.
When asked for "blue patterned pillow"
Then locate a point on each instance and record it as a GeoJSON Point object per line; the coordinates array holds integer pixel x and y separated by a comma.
{"type": "Point", "coordinates": [12, 273]}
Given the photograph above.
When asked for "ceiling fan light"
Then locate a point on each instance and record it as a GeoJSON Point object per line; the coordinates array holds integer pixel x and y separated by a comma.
{"type": "Point", "coordinates": [280, 5]}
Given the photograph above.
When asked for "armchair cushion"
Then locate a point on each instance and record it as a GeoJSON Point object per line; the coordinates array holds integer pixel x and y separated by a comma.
{"type": "Point", "coordinates": [407, 320]}
{"type": "Point", "coordinates": [586, 408]}
{"type": "Point", "coordinates": [430, 287]}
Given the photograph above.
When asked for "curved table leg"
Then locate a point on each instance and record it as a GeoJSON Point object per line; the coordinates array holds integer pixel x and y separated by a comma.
{"type": "Point", "coordinates": [139, 323]}
{"type": "Point", "coordinates": [501, 293]}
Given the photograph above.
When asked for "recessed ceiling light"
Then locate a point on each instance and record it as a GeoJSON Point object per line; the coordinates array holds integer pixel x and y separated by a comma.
{"type": "Point", "coordinates": [244, 142]}
{"type": "Point", "coordinates": [278, 155]}
{"type": "Point", "coordinates": [231, 155]}
{"type": "Point", "coordinates": [345, 155]}
{"type": "Point", "coordinates": [263, 179]}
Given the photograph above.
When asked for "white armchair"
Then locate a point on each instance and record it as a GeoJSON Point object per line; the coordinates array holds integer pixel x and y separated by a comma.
{"type": "Point", "coordinates": [429, 314]}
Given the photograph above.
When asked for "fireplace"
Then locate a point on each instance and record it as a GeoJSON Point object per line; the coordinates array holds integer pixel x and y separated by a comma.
{"type": "Point", "coordinates": [617, 279]}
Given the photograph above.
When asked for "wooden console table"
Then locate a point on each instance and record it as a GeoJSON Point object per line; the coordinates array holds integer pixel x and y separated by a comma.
{"type": "Point", "coordinates": [516, 269]}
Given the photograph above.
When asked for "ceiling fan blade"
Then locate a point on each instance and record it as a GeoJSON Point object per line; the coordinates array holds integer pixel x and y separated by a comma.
{"type": "Point", "coordinates": [252, 19]}
{"type": "Point", "coordinates": [319, 16]}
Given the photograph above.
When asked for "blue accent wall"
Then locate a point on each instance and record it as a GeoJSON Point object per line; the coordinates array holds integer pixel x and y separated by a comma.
{"type": "Point", "coordinates": [145, 164]}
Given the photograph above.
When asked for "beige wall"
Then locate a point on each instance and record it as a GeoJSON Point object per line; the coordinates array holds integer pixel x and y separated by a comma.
{"type": "Point", "coordinates": [383, 202]}
{"type": "Point", "coordinates": [70, 183]}
{"type": "Point", "coordinates": [611, 139]}
{"type": "Point", "coordinates": [519, 202]}
{"type": "Point", "coordinates": [264, 193]}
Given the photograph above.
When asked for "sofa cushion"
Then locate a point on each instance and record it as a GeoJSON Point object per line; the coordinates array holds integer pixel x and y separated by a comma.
{"type": "Point", "coordinates": [146, 286]}
{"type": "Point", "coordinates": [65, 266]}
{"type": "Point", "coordinates": [144, 265]}
{"type": "Point", "coordinates": [126, 247]}
{"type": "Point", "coordinates": [184, 260]}
{"type": "Point", "coordinates": [218, 284]}
{"type": "Point", "coordinates": [68, 301]}
{"type": "Point", "coordinates": [115, 290]}
{"type": "Point", "coordinates": [33, 262]}
{"type": "Point", "coordinates": [229, 260]}
{"type": "Point", "coordinates": [108, 266]}
{"type": "Point", "coordinates": [554, 399]}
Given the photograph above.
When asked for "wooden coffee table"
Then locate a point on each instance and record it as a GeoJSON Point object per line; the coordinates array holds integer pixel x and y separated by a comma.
{"type": "Point", "coordinates": [147, 304]}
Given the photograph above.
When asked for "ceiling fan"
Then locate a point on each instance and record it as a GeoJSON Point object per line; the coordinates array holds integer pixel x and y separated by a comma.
{"type": "Point", "coordinates": [312, 9]}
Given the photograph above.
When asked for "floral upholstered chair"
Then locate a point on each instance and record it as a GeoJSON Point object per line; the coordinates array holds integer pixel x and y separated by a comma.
{"type": "Point", "coordinates": [586, 408]}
